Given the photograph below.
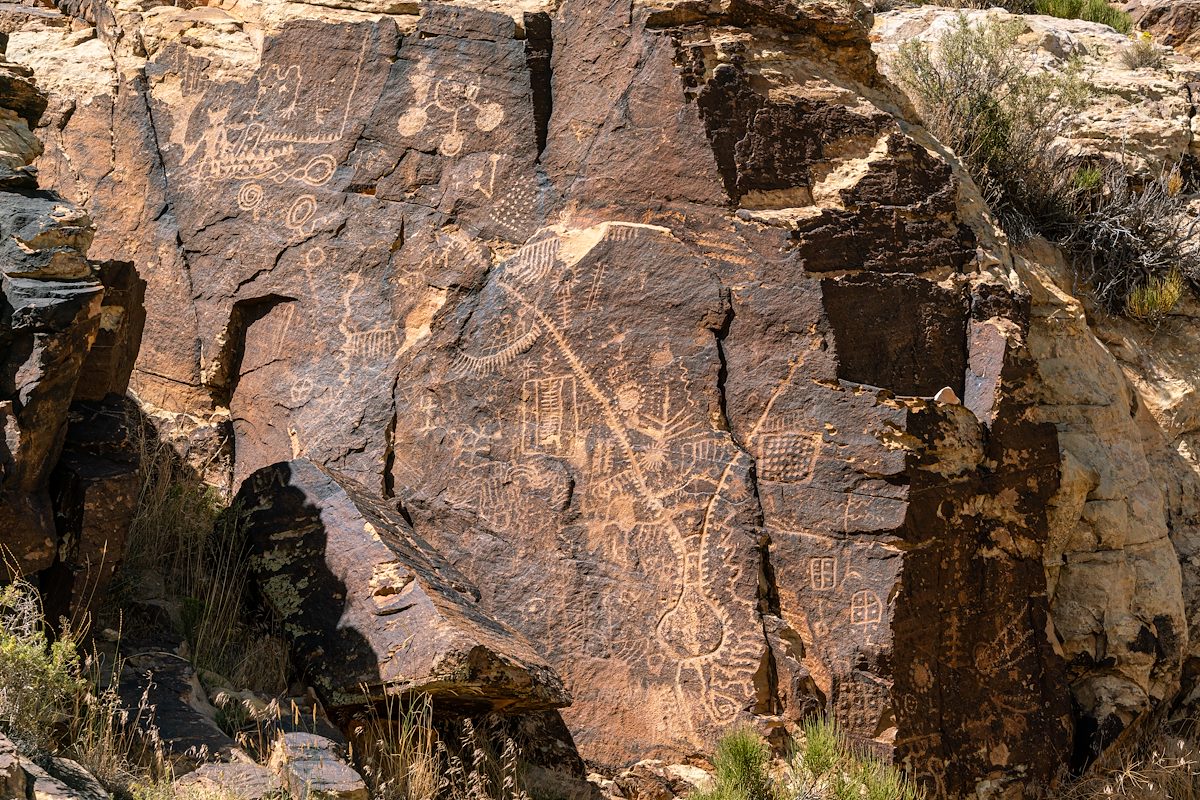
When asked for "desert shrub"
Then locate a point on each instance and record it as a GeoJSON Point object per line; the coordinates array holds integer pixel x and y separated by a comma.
{"type": "Point", "coordinates": [1087, 10]}
{"type": "Point", "coordinates": [741, 765]}
{"type": "Point", "coordinates": [826, 764]}
{"type": "Point", "coordinates": [39, 679]}
{"type": "Point", "coordinates": [1142, 53]}
{"type": "Point", "coordinates": [741, 768]}
{"type": "Point", "coordinates": [54, 700]}
{"type": "Point", "coordinates": [820, 750]}
{"type": "Point", "coordinates": [976, 91]}
{"type": "Point", "coordinates": [1135, 242]}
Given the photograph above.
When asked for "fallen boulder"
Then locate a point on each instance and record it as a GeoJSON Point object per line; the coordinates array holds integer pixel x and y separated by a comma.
{"type": "Point", "coordinates": [370, 609]}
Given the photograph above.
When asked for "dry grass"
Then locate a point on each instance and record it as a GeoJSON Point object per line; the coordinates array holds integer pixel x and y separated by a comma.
{"type": "Point", "coordinates": [1143, 53]}
{"type": "Point", "coordinates": [1132, 241]}
{"type": "Point", "coordinates": [117, 745]}
{"type": "Point", "coordinates": [1157, 766]}
{"type": "Point", "coordinates": [183, 532]}
{"type": "Point", "coordinates": [402, 756]}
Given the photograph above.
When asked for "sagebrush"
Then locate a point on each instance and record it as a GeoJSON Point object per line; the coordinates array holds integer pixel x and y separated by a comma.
{"type": "Point", "coordinates": [1131, 238]}
{"type": "Point", "coordinates": [1087, 10]}
{"type": "Point", "coordinates": [39, 679]}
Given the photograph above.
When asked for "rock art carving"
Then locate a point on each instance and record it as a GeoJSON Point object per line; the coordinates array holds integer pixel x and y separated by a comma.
{"type": "Point", "coordinates": [455, 98]}
{"type": "Point", "coordinates": [689, 470]}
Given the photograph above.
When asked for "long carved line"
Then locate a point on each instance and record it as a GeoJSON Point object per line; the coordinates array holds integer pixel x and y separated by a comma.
{"type": "Point", "coordinates": [614, 422]}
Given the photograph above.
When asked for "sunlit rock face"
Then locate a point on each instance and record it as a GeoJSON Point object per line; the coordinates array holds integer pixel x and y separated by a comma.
{"type": "Point", "coordinates": [634, 312]}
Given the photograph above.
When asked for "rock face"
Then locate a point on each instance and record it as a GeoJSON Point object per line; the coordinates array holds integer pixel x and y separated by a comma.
{"type": "Point", "coordinates": [1143, 116]}
{"type": "Point", "coordinates": [636, 311]}
{"type": "Point", "coordinates": [1123, 517]}
{"type": "Point", "coordinates": [1172, 23]}
{"type": "Point", "coordinates": [371, 608]}
{"type": "Point", "coordinates": [55, 307]}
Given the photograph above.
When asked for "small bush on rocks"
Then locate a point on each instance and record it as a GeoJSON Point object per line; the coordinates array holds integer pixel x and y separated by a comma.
{"type": "Point", "coordinates": [1087, 10]}
{"type": "Point", "coordinates": [1133, 240]}
{"type": "Point", "coordinates": [976, 91]}
{"type": "Point", "coordinates": [39, 679]}
{"type": "Point", "coordinates": [1142, 53]}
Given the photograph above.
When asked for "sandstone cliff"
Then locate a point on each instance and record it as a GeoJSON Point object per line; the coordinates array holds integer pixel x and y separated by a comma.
{"type": "Point", "coordinates": [635, 312]}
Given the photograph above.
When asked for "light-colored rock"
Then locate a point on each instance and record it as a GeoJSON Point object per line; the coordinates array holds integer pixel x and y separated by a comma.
{"type": "Point", "coordinates": [312, 766]}
{"type": "Point", "coordinates": [1144, 114]}
{"type": "Point", "coordinates": [946, 395]}
{"type": "Point", "coordinates": [13, 780]}
{"type": "Point", "coordinates": [62, 779]}
{"type": "Point", "coordinates": [1117, 594]}
{"type": "Point", "coordinates": [243, 781]}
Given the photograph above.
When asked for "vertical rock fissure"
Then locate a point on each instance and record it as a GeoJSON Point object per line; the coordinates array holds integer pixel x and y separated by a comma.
{"type": "Point", "coordinates": [539, 48]}
{"type": "Point", "coordinates": [766, 680]}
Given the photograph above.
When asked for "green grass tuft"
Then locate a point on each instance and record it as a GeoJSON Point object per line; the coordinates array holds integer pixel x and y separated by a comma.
{"type": "Point", "coordinates": [741, 764]}
{"type": "Point", "coordinates": [1087, 10]}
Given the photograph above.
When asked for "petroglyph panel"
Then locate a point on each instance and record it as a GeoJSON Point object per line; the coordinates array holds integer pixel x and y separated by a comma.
{"type": "Point", "coordinates": [836, 593]}
{"type": "Point", "coordinates": [651, 494]}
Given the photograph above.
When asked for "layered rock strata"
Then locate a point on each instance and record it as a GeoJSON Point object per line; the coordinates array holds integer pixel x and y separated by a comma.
{"type": "Point", "coordinates": [69, 330]}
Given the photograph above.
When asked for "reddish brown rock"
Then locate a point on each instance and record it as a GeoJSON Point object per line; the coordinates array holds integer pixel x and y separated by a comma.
{"type": "Point", "coordinates": [636, 311]}
{"type": "Point", "coordinates": [50, 313]}
{"type": "Point", "coordinates": [1172, 23]}
{"type": "Point", "coordinates": [370, 609]}
{"type": "Point", "coordinates": [94, 489]}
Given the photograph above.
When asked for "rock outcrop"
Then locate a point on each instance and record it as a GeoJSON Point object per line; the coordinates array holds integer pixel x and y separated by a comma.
{"type": "Point", "coordinates": [1122, 520]}
{"type": "Point", "coordinates": [69, 330]}
{"type": "Point", "coordinates": [1173, 23]}
{"type": "Point", "coordinates": [635, 312]}
{"type": "Point", "coordinates": [370, 608]}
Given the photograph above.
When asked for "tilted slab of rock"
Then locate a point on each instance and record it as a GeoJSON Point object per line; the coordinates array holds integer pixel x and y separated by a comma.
{"type": "Point", "coordinates": [369, 607]}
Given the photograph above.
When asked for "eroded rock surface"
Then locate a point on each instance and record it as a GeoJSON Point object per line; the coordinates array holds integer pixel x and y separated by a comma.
{"type": "Point", "coordinates": [55, 305]}
{"type": "Point", "coordinates": [635, 312]}
{"type": "Point", "coordinates": [370, 608]}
